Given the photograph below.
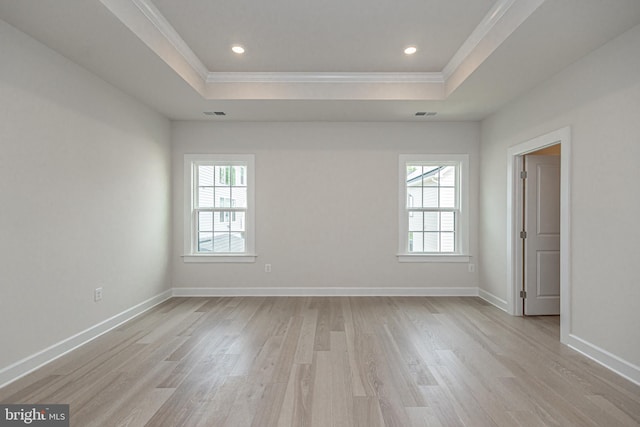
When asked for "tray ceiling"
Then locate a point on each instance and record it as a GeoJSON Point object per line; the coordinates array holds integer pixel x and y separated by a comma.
{"type": "Point", "coordinates": [327, 59]}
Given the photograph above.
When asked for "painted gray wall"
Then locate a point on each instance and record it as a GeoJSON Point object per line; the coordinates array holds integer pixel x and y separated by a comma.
{"type": "Point", "coordinates": [326, 202]}
{"type": "Point", "coordinates": [84, 185]}
{"type": "Point", "coordinates": [599, 98]}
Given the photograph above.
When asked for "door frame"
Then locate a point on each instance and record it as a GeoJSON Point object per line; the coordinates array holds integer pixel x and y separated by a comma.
{"type": "Point", "coordinates": [514, 223]}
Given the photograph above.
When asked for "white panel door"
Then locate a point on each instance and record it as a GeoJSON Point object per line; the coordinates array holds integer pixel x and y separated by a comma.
{"type": "Point", "coordinates": [542, 242]}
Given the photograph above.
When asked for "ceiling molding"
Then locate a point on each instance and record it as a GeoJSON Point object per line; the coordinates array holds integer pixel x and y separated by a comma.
{"type": "Point", "coordinates": [160, 22]}
{"type": "Point", "coordinates": [479, 33]}
{"type": "Point", "coordinates": [495, 28]}
{"type": "Point", "coordinates": [162, 39]}
{"type": "Point", "coordinates": [144, 19]}
{"type": "Point", "coordinates": [300, 77]}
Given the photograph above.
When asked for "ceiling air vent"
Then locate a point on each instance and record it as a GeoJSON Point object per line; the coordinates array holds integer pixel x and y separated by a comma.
{"type": "Point", "coordinates": [426, 113]}
{"type": "Point", "coordinates": [214, 113]}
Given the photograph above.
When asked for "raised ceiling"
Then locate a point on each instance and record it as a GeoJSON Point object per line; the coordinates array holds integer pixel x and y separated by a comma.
{"type": "Point", "coordinates": [324, 36]}
{"type": "Point", "coordinates": [327, 59]}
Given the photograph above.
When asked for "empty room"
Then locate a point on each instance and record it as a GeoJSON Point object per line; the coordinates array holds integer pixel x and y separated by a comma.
{"type": "Point", "coordinates": [302, 213]}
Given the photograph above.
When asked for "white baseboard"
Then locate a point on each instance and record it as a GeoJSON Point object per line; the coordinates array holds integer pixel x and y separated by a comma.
{"type": "Point", "coordinates": [324, 291]}
{"type": "Point", "coordinates": [493, 300]}
{"type": "Point", "coordinates": [609, 360]}
{"type": "Point", "coordinates": [29, 364]}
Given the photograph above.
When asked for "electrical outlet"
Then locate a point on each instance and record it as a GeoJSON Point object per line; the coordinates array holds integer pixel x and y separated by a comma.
{"type": "Point", "coordinates": [267, 268]}
{"type": "Point", "coordinates": [472, 268]}
{"type": "Point", "coordinates": [97, 294]}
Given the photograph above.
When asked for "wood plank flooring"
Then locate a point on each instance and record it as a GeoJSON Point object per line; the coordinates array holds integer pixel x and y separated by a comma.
{"type": "Point", "coordinates": [383, 361]}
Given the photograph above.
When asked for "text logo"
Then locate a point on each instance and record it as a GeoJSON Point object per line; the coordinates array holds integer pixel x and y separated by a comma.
{"type": "Point", "coordinates": [34, 415]}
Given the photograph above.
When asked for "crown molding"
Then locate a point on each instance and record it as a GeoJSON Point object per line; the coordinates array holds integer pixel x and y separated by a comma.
{"type": "Point", "coordinates": [494, 29]}
{"type": "Point", "coordinates": [485, 26]}
{"type": "Point", "coordinates": [302, 77]}
{"type": "Point", "coordinates": [144, 19]}
{"type": "Point", "coordinates": [158, 20]}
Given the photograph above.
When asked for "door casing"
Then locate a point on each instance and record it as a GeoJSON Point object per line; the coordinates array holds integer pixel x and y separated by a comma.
{"type": "Point", "coordinates": [514, 223]}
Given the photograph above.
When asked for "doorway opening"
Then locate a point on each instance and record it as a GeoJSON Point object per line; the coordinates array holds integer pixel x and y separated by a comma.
{"type": "Point", "coordinates": [516, 266]}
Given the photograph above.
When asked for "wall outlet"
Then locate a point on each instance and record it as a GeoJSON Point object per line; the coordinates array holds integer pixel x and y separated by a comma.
{"type": "Point", "coordinates": [267, 268]}
{"type": "Point", "coordinates": [97, 294]}
{"type": "Point", "coordinates": [472, 268]}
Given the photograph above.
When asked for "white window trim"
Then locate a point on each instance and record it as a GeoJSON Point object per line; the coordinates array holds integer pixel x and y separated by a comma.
{"type": "Point", "coordinates": [189, 255]}
{"type": "Point", "coordinates": [462, 238]}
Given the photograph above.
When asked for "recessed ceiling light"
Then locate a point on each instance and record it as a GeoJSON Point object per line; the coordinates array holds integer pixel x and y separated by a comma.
{"type": "Point", "coordinates": [410, 50]}
{"type": "Point", "coordinates": [237, 49]}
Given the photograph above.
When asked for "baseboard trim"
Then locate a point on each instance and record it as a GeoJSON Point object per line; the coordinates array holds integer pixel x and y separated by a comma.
{"type": "Point", "coordinates": [493, 300]}
{"type": "Point", "coordinates": [609, 360]}
{"type": "Point", "coordinates": [324, 291]}
{"type": "Point", "coordinates": [29, 364]}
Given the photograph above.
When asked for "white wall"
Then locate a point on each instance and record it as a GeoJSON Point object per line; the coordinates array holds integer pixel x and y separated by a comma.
{"type": "Point", "coordinates": [326, 202]}
{"type": "Point", "coordinates": [84, 194]}
{"type": "Point", "coordinates": [599, 98]}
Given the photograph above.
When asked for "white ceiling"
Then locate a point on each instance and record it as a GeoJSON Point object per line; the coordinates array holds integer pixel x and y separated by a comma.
{"type": "Point", "coordinates": [323, 59]}
{"type": "Point", "coordinates": [326, 35]}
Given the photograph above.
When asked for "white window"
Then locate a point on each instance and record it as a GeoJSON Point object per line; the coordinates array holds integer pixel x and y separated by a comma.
{"type": "Point", "coordinates": [433, 208]}
{"type": "Point", "coordinates": [219, 205]}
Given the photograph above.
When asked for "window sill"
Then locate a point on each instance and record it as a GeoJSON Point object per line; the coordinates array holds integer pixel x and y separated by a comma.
{"type": "Point", "coordinates": [228, 258]}
{"type": "Point", "coordinates": [433, 258]}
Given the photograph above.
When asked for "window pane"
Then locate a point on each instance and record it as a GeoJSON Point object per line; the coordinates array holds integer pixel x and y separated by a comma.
{"type": "Point", "coordinates": [223, 197]}
{"type": "Point", "coordinates": [447, 197]}
{"type": "Point", "coordinates": [431, 222]}
{"type": "Point", "coordinates": [447, 221]}
{"type": "Point", "coordinates": [222, 175]}
{"type": "Point", "coordinates": [415, 221]}
{"type": "Point", "coordinates": [221, 221]}
{"type": "Point", "coordinates": [205, 175]}
{"type": "Point", "coordinates": [413, 176]}
{"type": "Point", "coordinates": [221, 242]}
{"type": "Point", "coordinates": [415, 242]}
{"type": "Point", "coordinates": [447, 242]}
{"type": "Point", "coordinates": [237, 242]}
{"type": "Point", "coordinates": [239, 197]}
{"type": "Point", "coordinates": [205, 242]}
{"type": "Point", "coordinates": [430, 176]}
{"type": "Point", "coordinates": [414, 197]}
{"type": "Point", "coordinates": [431, 242]}
{"type": "Point", "coordinates": [239, 176]}
{"type": "Point", "coordinates": [448, 176]}
{"type": "Point", "coordinates": [430, 197]}
{"type": "Point", "coordinates": [205, 221]}
{"type": "Point", "coordinates": [237, 221]}
{"type": "Point", "coordinates": [205, 197]}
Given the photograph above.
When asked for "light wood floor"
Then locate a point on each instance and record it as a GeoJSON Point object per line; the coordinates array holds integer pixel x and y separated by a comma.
{"type": "Point", "coordinates": [331, 362]}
